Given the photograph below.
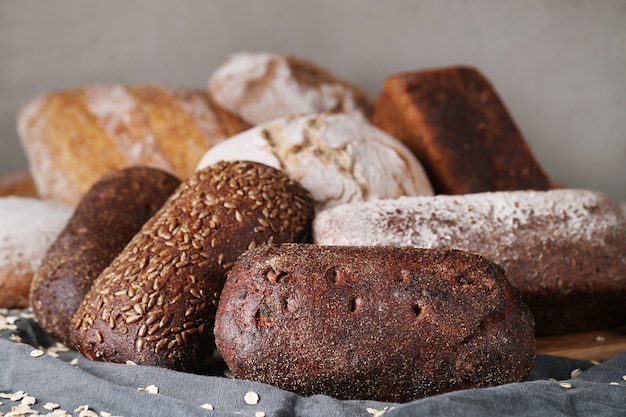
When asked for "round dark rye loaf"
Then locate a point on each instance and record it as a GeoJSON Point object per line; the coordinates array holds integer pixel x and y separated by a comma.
{"type": "Point", "coordinates": [155, 304]}
{"type": "Point", "coordinates": [105, 220]}
{"type": "Point", "coordinates": [381, 323]}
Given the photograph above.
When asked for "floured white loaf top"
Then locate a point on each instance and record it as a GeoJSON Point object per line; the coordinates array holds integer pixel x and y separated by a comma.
{"type": "Point", "coordinates": [565, 250]}
{"type": "Point", "coordinates": [28, 226]}
{"type": "Point", "coordinates": [259, 87]}
{"type": "Point", "coordinates": [339, 158]}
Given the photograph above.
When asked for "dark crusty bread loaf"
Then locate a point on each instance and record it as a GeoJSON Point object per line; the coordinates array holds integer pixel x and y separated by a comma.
{"type": "Point", "coordinates": [564, 250]}
{"type": "Point", "coordinates": [460, 130]}
{"type": "Point", "coordinates": [74, 137]}
{"type": "Point", "coordinates": [105, 220]}
{"type": "Point", "coordinates": [155, 303]}
{"type": "Point", "coordinates": [381, 323]}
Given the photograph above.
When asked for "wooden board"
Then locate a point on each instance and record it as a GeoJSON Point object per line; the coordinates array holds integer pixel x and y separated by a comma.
{"type": "Point", "coordinates": [592, 346]}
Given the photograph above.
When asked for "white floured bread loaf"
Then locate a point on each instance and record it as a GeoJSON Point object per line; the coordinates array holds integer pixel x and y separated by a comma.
{"type": "Point", "coordinates": [564, 250]}
{"type": "Point", "coordinates": [28, 226]}
{"type": "Point", "coordinates": [259, 87]}
{"type": "Point", "coordinates": [73, 138]}
{"type": "Point", "coordinates": [339, 158]}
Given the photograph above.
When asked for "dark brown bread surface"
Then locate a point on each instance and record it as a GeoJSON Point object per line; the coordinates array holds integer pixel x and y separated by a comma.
{"type": "Point", "coordinates": [380, 323]}
{"type": "Point", "coordinates": [155, 304]}
{"type": "Point", "coordinates": [455, 123]}
{"type": "Point", "coordinates": [564, 250]}
{"type": "Point", "coordinates": [105, 220]}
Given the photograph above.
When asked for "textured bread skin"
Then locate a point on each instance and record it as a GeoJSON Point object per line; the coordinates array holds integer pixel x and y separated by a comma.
{"type": "Point", "coordinates": [19, 184]}
{"type": "Point", "coordinates": [155, 303]}
{"type": "Point", "coordinates": [259, 87]}
{"type": "Point", "coordinates": [106, 219]}
{"type": "Point", "coordinates": [564, 250]}
{"type": "Point", "coordinates": [379, 323]}
{"type": "Point", "coordinates": [455, 123]}
{"type": "Point", "coordinates": [337, 157]}
{"type": "Point", "coordinates": [72, 138]}
{"type": "Point", "coordinates": [28, 226]}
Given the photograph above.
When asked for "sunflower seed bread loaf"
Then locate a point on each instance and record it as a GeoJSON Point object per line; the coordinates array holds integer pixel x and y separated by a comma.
{"type": "Point", "coordinates": [456, 124]}
{"type": "Point", "coordinates": [106, 219]}
{"type": "Point", "coordinates": [72, 138]}
{"type": "Point", "coordinates": [564, 250]}
{"type": "Point", "coordinates": [378, 323]}
{"type": "Point", "coordinates": [155, 303]}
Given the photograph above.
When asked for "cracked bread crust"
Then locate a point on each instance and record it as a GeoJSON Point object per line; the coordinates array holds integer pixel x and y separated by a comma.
{"type": "Point", "coordinates": [259, 87]}
{"type": "Point", "coordinates": [339, 158]}
{"type": "Point", "coordinates": [379, 323]}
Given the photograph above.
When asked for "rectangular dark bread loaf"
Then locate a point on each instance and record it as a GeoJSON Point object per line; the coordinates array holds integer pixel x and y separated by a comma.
{"type": "Point", "coordinates": [380, 323]}
{"type": "Point", "coordinates": [564, 250]}
{"type": "Point", "coordinates": [456, 124]}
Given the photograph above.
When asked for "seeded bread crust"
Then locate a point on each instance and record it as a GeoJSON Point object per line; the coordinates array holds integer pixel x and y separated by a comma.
{"type": "Point", "coordinates": [456, 124]}
{"type": "Point", "coordinates": [379, 323]}
{"type": "Point", "coordinates": [106, 219]}
{"type": "Point", "coordinates": [155, 304]}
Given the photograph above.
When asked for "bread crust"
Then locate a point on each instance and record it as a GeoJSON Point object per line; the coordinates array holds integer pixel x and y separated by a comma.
{"type": "Point", "coordinates": [456, 124]}
{"type": "Point", "coordinates": [155, 303]}
{"type": "Point", "coordinates": [107, 217]}
{"type": "Point", "coordinates": [564, 250]}
{"type": "Point", "coordinates": [379, 323]}
{"type": "Point", "coordinates": [74, 137]}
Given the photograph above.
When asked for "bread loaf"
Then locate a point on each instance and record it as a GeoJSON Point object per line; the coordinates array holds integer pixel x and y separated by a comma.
{"type": "Point", "coordinates": [564, 250]}
{"type": "Point", "coordinates": [106, 219]}
{"type": "Point", "coordinates": [379, 323]}
{"type": "Point", "coordinates": [155, 303]}
{"type": "Point", "coordinates": [72, 138]}
{"type": "Point", "coordinates": [27, 228]}
{"type": "Point", "coordinates": [454, 121]}
{"type": "Point", "coordinates": [259, 87]}
{"type": "Point", "coordinates": [337, 157]}
{"type": "Point", "coordinates": [19, 184]}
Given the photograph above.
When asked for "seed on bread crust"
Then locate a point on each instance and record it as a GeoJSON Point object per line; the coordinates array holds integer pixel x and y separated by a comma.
{"type": "Point", "coordinates": [185, 279]}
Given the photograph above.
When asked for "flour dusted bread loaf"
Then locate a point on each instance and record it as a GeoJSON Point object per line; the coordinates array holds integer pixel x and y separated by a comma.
{"type": "Point", "coordinates": [564, 250]}
{"type": "Point", "coordinates": [28, 226]}
{"type": "Point", "coordinates": [72, 138]}
{"type": "Point", "coordinates": [454, 121]}
{"type": "Point", "coordinates": [262, 86]}
{"type": "Point", "coordinates": [106, 219]}
{"type": "Point", "coordinates": [155, 303]}
{"type": "Point", "coordinates": [380, 323]}
{"type": "Point", "coordinates": [337, 157]}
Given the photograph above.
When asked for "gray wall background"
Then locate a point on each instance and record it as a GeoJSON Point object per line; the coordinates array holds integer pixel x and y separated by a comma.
{"type": "Point", "coordinates": [559, 65]}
